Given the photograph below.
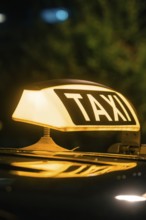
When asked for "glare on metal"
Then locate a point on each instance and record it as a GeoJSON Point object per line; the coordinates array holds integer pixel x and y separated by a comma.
{"type": "Point", "coordinates": [131, 198]}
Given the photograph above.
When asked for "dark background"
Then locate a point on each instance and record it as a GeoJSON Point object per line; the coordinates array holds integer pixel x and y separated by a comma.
{"type": "Point", "coordinates": [102, 41]}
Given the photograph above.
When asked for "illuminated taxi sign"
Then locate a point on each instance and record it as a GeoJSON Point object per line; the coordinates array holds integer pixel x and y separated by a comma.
{"type": "Point", "coordinates": [96, 107]}
{"type": "Point", "coordinates": [74, 107]}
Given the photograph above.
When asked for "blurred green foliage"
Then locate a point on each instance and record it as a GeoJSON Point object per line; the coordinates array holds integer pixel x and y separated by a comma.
{"type": "Point", "coordinates": [103, 41]}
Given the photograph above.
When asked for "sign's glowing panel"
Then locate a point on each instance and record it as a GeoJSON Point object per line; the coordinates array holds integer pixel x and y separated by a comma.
{"type": "Point", "coordinates": [75, 107]}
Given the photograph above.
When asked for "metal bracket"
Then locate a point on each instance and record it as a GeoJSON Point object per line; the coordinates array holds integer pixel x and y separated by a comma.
{"type": "Point", "coordinates": [130, 143]}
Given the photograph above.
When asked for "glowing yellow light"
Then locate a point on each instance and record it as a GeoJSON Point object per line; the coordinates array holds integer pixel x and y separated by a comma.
{"type": "Point", "coordinates": [45, 108]}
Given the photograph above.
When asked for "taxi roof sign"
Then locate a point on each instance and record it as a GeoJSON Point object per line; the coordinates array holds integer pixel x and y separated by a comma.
{"type": "Point", "coordinates": [76, 105]}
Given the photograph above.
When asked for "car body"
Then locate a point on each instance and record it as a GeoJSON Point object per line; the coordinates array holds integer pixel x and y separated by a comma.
{"type": "Point", "coordinates": [49, 181]}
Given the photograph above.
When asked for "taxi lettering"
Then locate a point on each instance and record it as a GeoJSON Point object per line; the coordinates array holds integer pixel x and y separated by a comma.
{"type": "Point", "coordinates": [91, 107]}
{"type": "Point", "coordinates": [98, 109]}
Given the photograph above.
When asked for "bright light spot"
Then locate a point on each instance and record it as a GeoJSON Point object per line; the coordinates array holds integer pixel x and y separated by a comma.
{"type": "Point", "coordinates": [62, 15]}
{"type": "Point", "coordinates": [2, 18]}
{"type": "Point", "coordinates": [54, 15]}
{"type": "Point", "coordinates": [131, 198]}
